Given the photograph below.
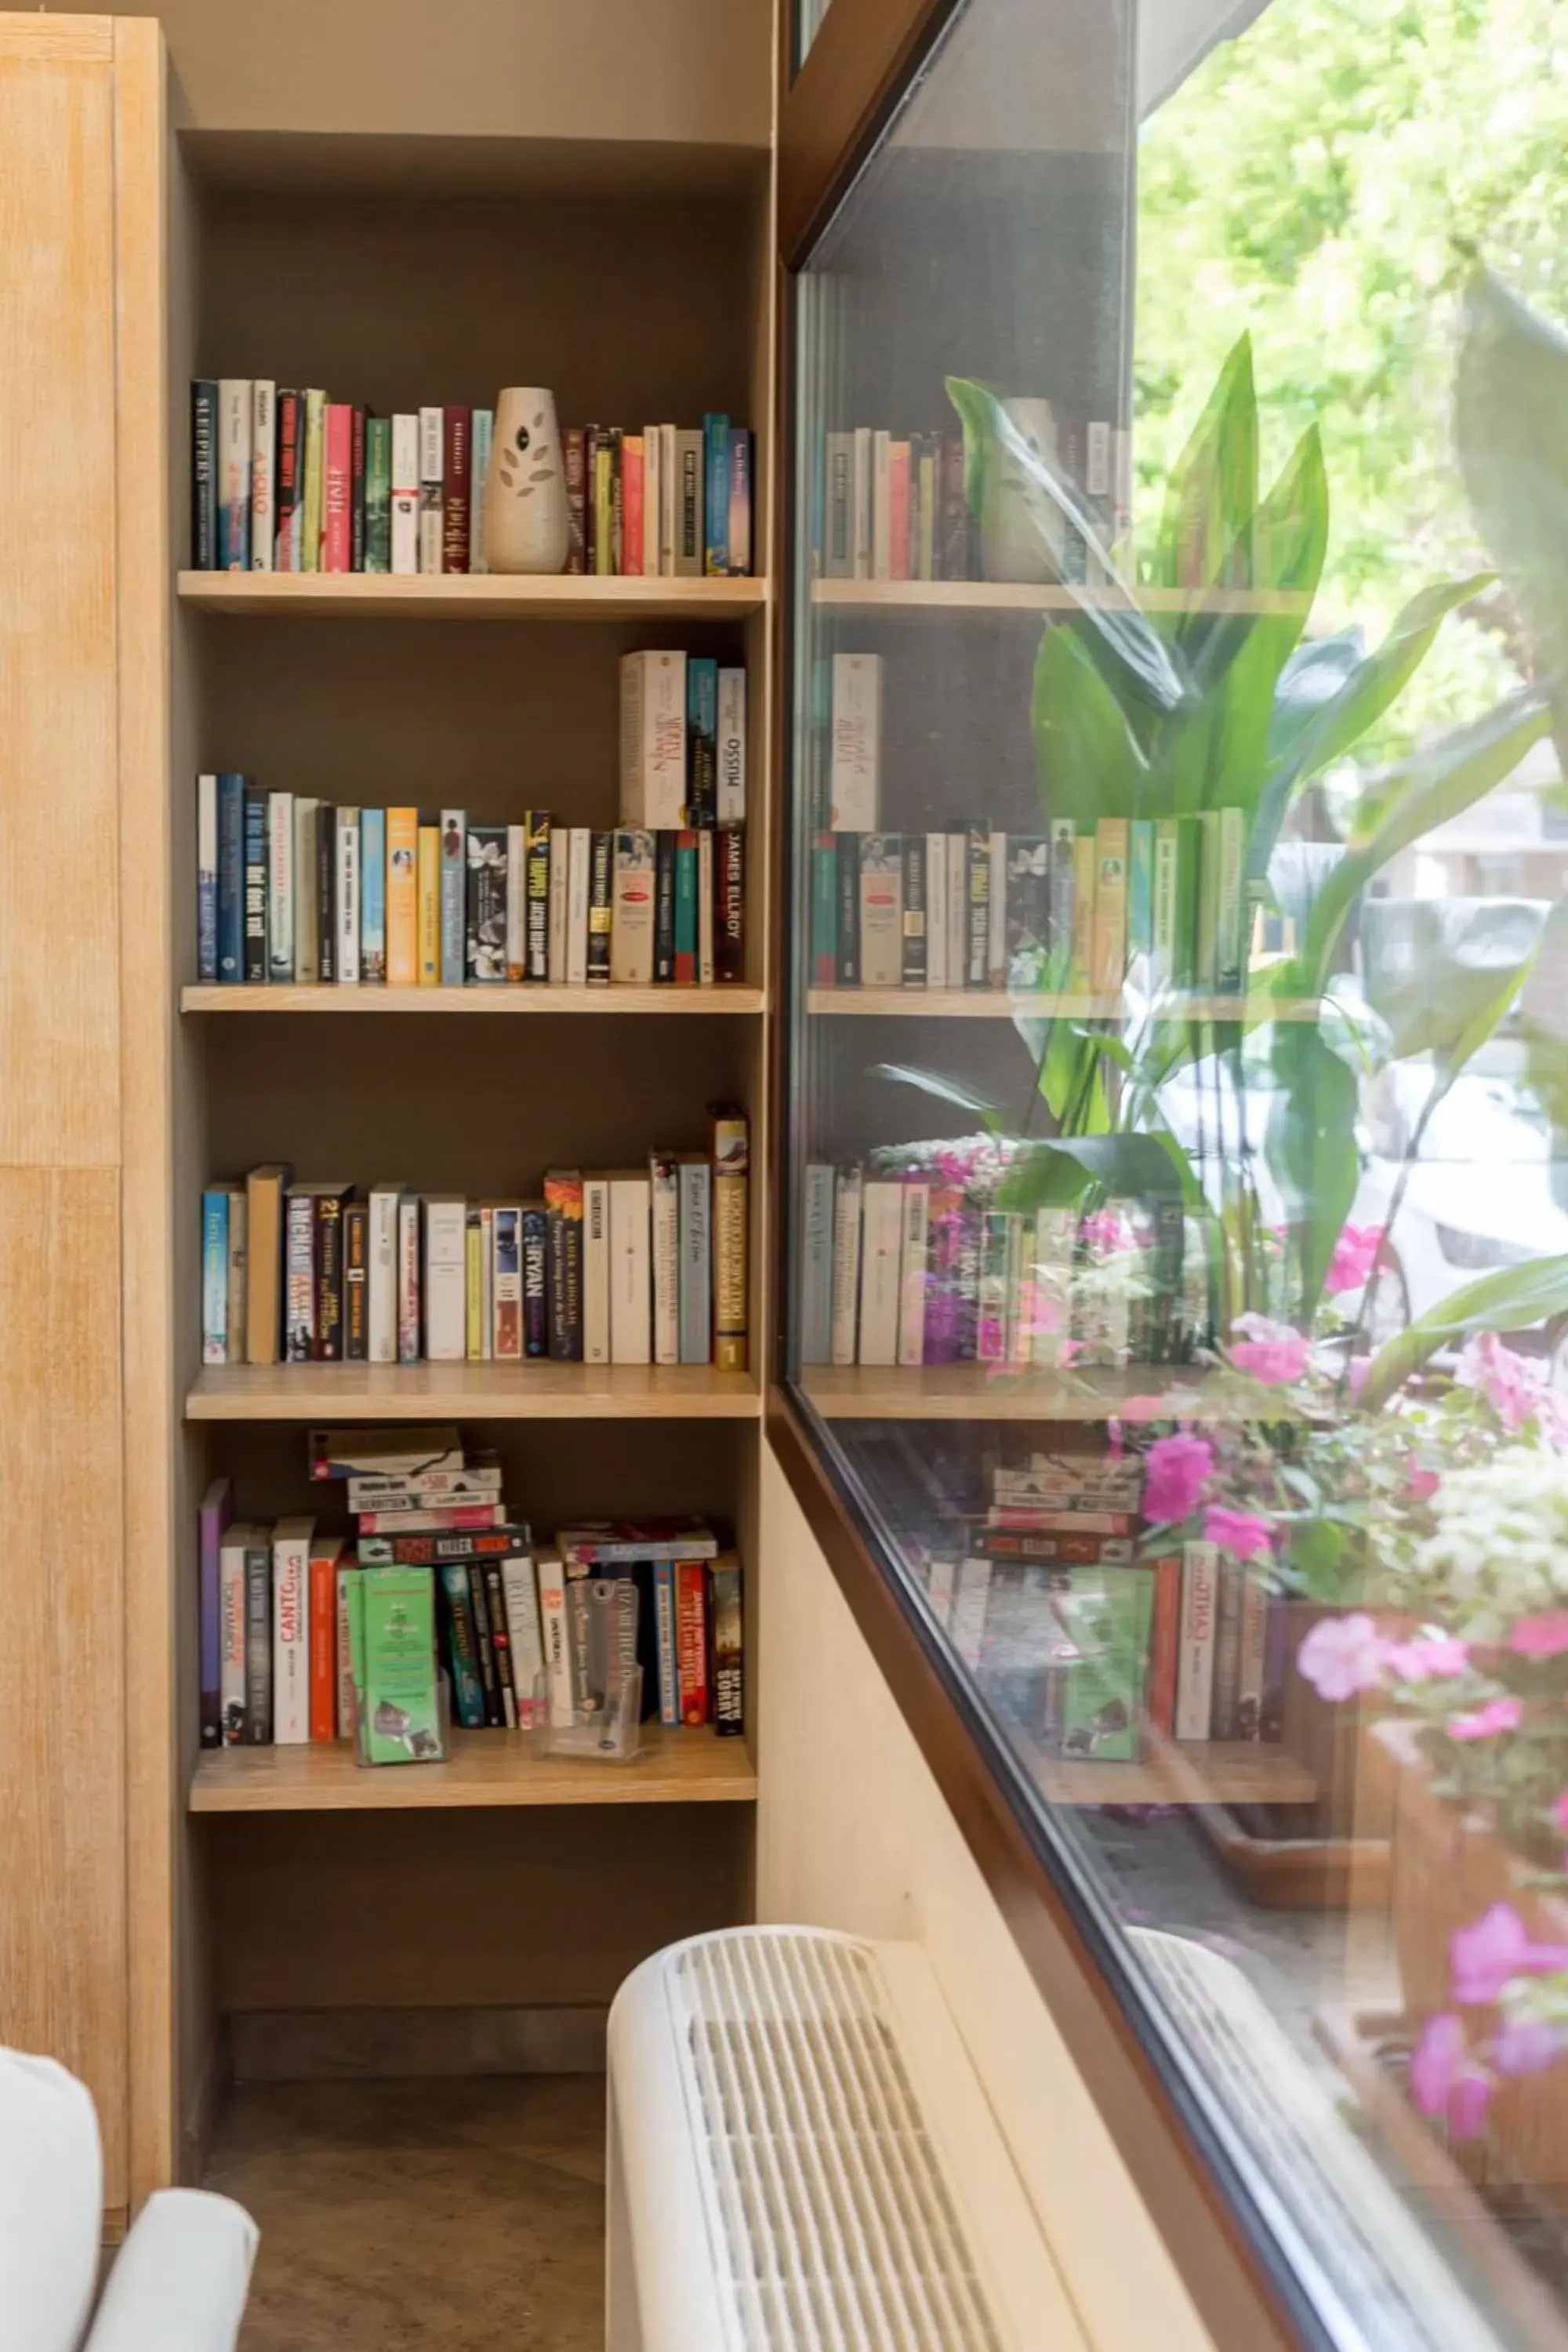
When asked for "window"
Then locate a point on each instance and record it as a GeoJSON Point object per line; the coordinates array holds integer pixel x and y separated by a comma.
{"type": "Point", "coordinates": [1177, 1251]}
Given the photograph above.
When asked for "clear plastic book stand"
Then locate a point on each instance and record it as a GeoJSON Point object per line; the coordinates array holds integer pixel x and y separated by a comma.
{"type": "Point", "coordinates": [605, 1727]}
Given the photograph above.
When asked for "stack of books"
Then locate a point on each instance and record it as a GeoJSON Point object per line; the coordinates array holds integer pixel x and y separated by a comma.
{"type": "Point", "coordinates": [644, 1265]}
{"type": "Point", "coordinates": [1086, 1630]}
{"type": "Point", "coordinates": [440, 1606]}
{"type": "Point", "coordinates": [294, 481]}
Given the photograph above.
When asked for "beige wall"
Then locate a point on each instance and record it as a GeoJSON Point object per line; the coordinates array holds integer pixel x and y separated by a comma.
{"type": "Point", "coordinates": [665, 70]}
{"type": "Point", "coordinates": [853, 1833]}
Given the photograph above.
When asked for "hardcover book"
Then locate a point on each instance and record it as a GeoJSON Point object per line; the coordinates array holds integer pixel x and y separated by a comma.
{"type": "Point", "coordinates": [487, 902]}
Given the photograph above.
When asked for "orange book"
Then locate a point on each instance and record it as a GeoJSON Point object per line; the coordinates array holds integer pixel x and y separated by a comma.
{"type": "Point", "coordinates": [324, 1629]}
{"type": "Point", "coordinates": [428, 926]}
{"type": "Point", "coordinates": [691, 1639]}
{"type": "Point", "coordinates": [1164, 1644]}
{"type": "Point", "coordinates": [632, 480]}
{"type": "Point", "coordinates": [402, 898]}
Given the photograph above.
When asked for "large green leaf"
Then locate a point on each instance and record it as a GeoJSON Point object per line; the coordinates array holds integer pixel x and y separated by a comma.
{"type": "Point", "coordinates": [1443, 972]}
{"type": "Point", "coordinates": [1510, 1300]}
{"type": "Point", "coordinates": [1125, 1167]}
{"type": "Point", "coordinates": [1086, 761]}
{"type": "Point", "coordinates": [1310, 1144]}
{"type": "Point", "coordinates": [1435, 784]}
{"type": "Point", "coordinates": [1205, 536]}
{"type": "Point", "coordinates": [1312, 676]}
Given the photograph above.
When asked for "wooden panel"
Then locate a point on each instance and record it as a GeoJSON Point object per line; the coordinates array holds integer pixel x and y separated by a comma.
{"type": "Point", "coordinates": [486, 1768]}
{"type": "Point", "coordinates": [58, 40]}
{"type": "Point", "coordinates": [481, 1001]}
{"type": "Point", "coordinates": [62, 1758]}
{"type": "Point", "coordinates": [361, 596]}
{"type": "Point", "coordinates": [59, 1105]}
{"type": "Point", "coordinates": [533, 1392]}
{"type": "Point", "coordinates": [992, 1392]}
{"type": "Point", "coordinates": [847, 83]}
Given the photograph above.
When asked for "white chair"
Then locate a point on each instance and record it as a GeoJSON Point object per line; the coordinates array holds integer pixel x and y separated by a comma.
{"type": "Point", "coordinates": [181, 2278]}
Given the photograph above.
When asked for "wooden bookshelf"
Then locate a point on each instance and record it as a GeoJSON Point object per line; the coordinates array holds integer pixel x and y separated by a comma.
{"type": "Point", "coordinates": [529, 1391]}
{"type": "Point", "coordinates": [486, 1000]}
{"type": "Point", "coordinates": [1008, 1004]}
{"type": "Point", "coordinates": [992, 1392]}
{"type": "Point", "coordinates": [485, 1768]}
{"type": "Point", "coordinates": [893, 598]}
{"type": "Point", "coordinates": [463, 596]}
{"type": "Point", "coordinates": [1178, 1772]}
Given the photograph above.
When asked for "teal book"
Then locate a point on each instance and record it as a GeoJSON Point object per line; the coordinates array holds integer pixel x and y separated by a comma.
{"type": "Point", "coordinates": [372, 896]}
{"type": "Point", "coordinates": [716, 495]}
{"type": "Point", "coordinates": [462, 1647]}
{"type": "Point", "coordinates": [378, 493]}
{"type": "Point", "coordinates": [1141, 888]}
{"type": "Point", "coordinates": [1206, 969]}
{"type": "Point", "coordinates": [686, 911]}
{"type": "Point", "coordinates": [214, 1276]}
{"type": "Point", "coordinates": [481, 432]}
{"type": "Point", "coordinates": [454, 897]}
{"type": "Point", "coordinates": [824, 911]}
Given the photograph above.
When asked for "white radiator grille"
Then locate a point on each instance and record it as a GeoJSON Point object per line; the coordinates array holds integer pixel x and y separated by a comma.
{"type": "Point", "coordinates": [839, 2232]}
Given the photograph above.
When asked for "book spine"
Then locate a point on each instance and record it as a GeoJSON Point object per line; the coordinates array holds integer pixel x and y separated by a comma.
{"type": "Point", "coordinates": [691, 1639]}
{"type": "Point", "coordinates": [741, 469]}
{"type": "Point", "coordinates": [517, 904]}
{"type": "Point", "coordinates": [688, 510]}
{"type": "Point", "coordinates": [454, 904]}
{"type": "Point", "coordinates": [327, 1339]}
{"type": "Point", "coordinates": [816, 1267]}
{"type": "Point", "coordinates": [289, 481]}
{"type": "Point", "coordinates": [914, 1245]}
{"type": "Point", "coordinates": [409, 1299]}
{"type": "Point", "coordinates": [405, 496]}
{"type": "Point", "coordinates": [313, 470]}
{"type": "Point", "coordinates": [632, 920]}
{"type": "Point", "coordinates": [729, 747]}
{"type": "Point", "coordinates": [290, 1638]}
{"type": "Point", "coordinates": [664, 907]}
{"type": "Point", "coordinates": [825, 911]}
{"type": "Point", "coordinates": [259, 1642]}
{"type": "Point", "coordinates": [506, 1286]}
{"type": "Point", "coordinates": [882, 924]}
{"type": "Point", "coordinates": [481, 435]}
{"type": "Point", "coordinates": [554, 1636]}
{"type": "Point", "coordinates": [631, 1286]}
{"type": "Point", "coordinates": [702, 742]}
{"type": "Point", "coordinates": [707, 965]}
{"type": "Point", "coordinates": [487, 885]}
{"type": "Point", "coordinates": [456, 444]}
{"type": "Point", "coordinates": [726, 1649]}
{"type": "Point", "coordinates": [912, 961]}
{"type": "Point", "coordinates": [1252, 1660]}
{"type": "Point", "coordinates": [213, 1518]}
{"type": "Point", "coordinates": [356, 1282]}
{"type": "Point", "coordinates": [664, 1193]}
{"type": "Point", "coordinates": [563, 1247]}
{"type": "Point", "coordinates": [234, 453]}
{"type": "Point", "coordinates": [204, 476]}
{"type": "Point", "coordinates": [881, 1226]}
{"type": "Point", "coordinates": [322, 1613]}
{"type": "Point", "coordinates": [1227, 1694]}
{"type": "Point", "coordinates": [535, 1282]}
{"type": "Point", "coordinates": [716, 495]}
{"type": "Point", "coordinates": [326, 873]}
{"type": "Point", "coordinates": [695, 1246]}
{"type": "Point", "coordinates": [231, 877]}
{"type": "Point", "coordinates": [977, 905]}
{"type": "Point", "coordinates": [299, 1279]}
{"type": "Point", "coordinates": [1230, 976]}
{"type": "Point", "coordinates": [378, 494]}
{"type": "Point", "coordinates": [634, 525]}
{"type": "Point", "coordinates": [215, 1276]}
{"type": "Point", "coordinates": [373, 896]}
{"type": "Point", "coordinates": [665, 1650]}
{"type": "Point", "coordinates": [686, 909]}
{"type": "Point", "coordinates": [579, 856]}
{"type": "Point", "coordinates": [432, 461]}
{"type": "Point", "coordinates": [574, 461]}
{"type": "Point", "coordinates": [1196, 1665]}
{"type": "Point", "coordinates": [845, 1328]}
{"type": "Point", "coordinates": [521, 1596]}
{"type": "Point", "coordinates": [346, 898]}
{"type": "Point", "coordinates": [402, 898]}
{"type": "Point", "coordinates": [207, 879]}
{"type": "Point", "coordinates": [462, 1645]}
{"type": "Point", "coordinates": [729, 905]}
{"type": "Point", "coordinates": [280, 886]}
{"type": "Point", "coordinates": [445, 1280]}
{"type": "Point", "coordinates": [263, 476]}
{"type": "Point", "coordinates": [356, 489]}
{"type": "Point", "coordinates": [1108, 961]}
{"type": "Point", "coordinates": [500, 1641]}
{"type": "Point", "coordinates": [601, 862]}
{"type": "Point", "coordinates": [536, 889]}
{"type": "Point", "coordinates": [596, 1270]}
{"type": "Point", "coordinates": [231, 1639]}
{"type": "Point", "coordinates": [255, 843]}
{"type": "Point", "coordinates": [337, 488]}
{"type": "Point", "coordinates": [557, 860]}
{"type": "Point", "coordinates": [730, 1184]}
{"type": "Point", "coordinates": [854, 775]}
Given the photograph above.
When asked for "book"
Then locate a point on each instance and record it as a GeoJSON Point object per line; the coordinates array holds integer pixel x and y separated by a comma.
{"type": "Point", "coordinates": [912, 910]}
{"type": "Point", "coordinates": [481, 435]}
{"type": "Point", "coordinates": [596, 1269]}
{"type": "Point", "coordinates": [688, 493]}
{"type": "Point", "coordinates": [403, 536]}
{"type": "Point", "coordinates": [881, 504]}
{"type": "Point", "coordinates": [432, 459]}
{"type": "Point", "coordinates": [552, 1583]}
{"type": "Point", "coordinates": [691, 1639]}
{"type": "Point", "coordinates": [863, 500]}
{"type": "Point", "coordinates": [563, 1242]}
{"type": "Point", "coordinates": [382, 1265]}
{"type": "Point", "coordinates": [346, 900]}
{"type": "Point", "coordinates": [373, 896]}
{"type": "Point", "coordinates": [263, 462]}
{"type": "Point", "coordinates": [977, 870]}
{"type": "Point", "coordinates": [454, 897]}
{"type": "Point", "coordinates": [652, 498]}
{"type": "Point", "coordinates": [666, 1655]}
{"type": "Point", "coordinates": [701, 800]}
{"type": "Point", "coordinates": [216, 1203]}
{"type": "Point", "coordinates": [695, 1258]}
{"type": "Point", "coordinates": [204, 476]}
{"type": "Point", "coordinates": [443, 1279]}
{"type": "Point", "coordinates": [1252, 1661]}
{"type": "Point", "coordinates": [880, 910]}
{"type": "Point", "coordinates": [312, 481]}
{"type": "Point", "coordinates": [815, 1284]}
{"type": "Point", "coordinates": [264, 1190]}
{"type": "Point", "coordinates": [633, 525]}
{"type": "Point", "coordinates": [1230, 929]}
{"type": "Point", "coordinates": [521, 1593]}
{"type": "Point", "coordinates": [728, 1138]}
{"type": "Point", "coordinates": [506, 1283]}
{"type": "Point", "coordinates": [1026, 911]}
{"type": "Point", "coordinates": [487, 885]}
{"type": "Point", "coordinates": [740, 521]}
{"type": "Point", "coordinates": [356, 1282]}
{"type": "Point", "coordinates": [280, 886]}
{"type": "Point", "coordinates": [535, 887]}
{"type": "Point", "coordinates": [337, 488]}
{"type": "Point", "coordinates": [257, 1730]}
{"type": "Point", "coordinates": [632, 917]}
{"type": "Point", "coordinates": [1108, 962]}
{"type": "Point", "coordinates": [716, 495]}
{"type": "Point", "coordinates": [289, 481]}
{"type": "Point", "coordinates": [631, 1326]}
{"type": "Point", "coordinates": [402, 898]}
{"type": "Point", "coordinates": [462, 1643]}
{"type": "Point", "coordinates": [215, 1514]}
{"type": "Point", "coordinates": [321, 1635]}
{"type": "Point", "coordinates": [290, 1632]}
{"type": "Point", "coordinates": [653, 740]}
{"type": "Point", "coordinates": [255, 884]}
{"type": "Point", "coordinates": [664, 907]}
{"type": "Point", "coordinates": [601, 884]}
{"type": "Point", "coordinates": [846, 1323]}
{"type": "Point", "coordinates": [556, 860]}
{"type": "Point", "coordinates": [428, 906]}
{"type": "Point", "coordinates": [234, 440]}
{"type": "Point", "coordinates": [687, 909]}
{"type": "Point", "coordinates": [855, 750]}
{"type": "Point", "coordinates": [401, 1708]}
{"type": "Point", "coordinates": [1226, 1691]}
{"type": "Point", "coordinates": [327, 892]}
{"type": "Point", "coordinates": [231, 877]}
{"type": "Point", "coordinates": [1206, 954]}
{"type": "Point", "coordinates": [349, 1622]}
{"type": "Point", "coordinates": [915, 1208]}
{"type": "Point", "coordinates": [1196, 1657]}
{"type": "Point", "coordinates": [356, 492]}
{"type": "Point", "coordinates": [456, 453]}
{"type": "Point", "coordinates": [378, 494]}
{"type": "Point", "coordinates": [579, 852]}
{"type": "Point", "coordinates": [881, 1248]}
{"type": "Point", "coordinates": [612, 1543]}
{"type": "Point", "coordinates": [307, 903]}
{"type": "Point", "coordinates": [573, 463]}
{"type": "Point", "coordinates": [730, 751]}
{"type": "Point", "coordinates": [535, 1231]}
{"type": "Point", "coordinates": [235, 1539]}
{"type": "Point", "coordinates": [664, 1256]}
{"type": "Point", "coordinates": [728, 904]}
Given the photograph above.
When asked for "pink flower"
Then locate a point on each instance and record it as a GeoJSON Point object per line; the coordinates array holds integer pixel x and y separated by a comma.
{"type": "Point", "coordinates": [1356, 1372]}
{"type": "Point", "coordinates": [1420, 1486]}
{"type": "Point", "coordinates": [1525, 2046]}
{"type": "Point", "coordinates": [1433, 1657]}
{"type": "Point", "coordinates": [1512, 1386]}
{"type": "Point", "coordinates": [1070, 1350]}
{"type": "Point", "coordinates": [1104, 1230]}
{"type": "Point", "coordinates": [1343, 1655]}
{"type": "Point", "coordinates": [1560, 1812]}
{"type": "Point", "coordinates": [1546, 1636]}
{"type": "Point", "coordinates": [1485, 1957]}
{"type": "Point", "coordinates": [1273, 1352]}
{"type": "Point", "coordinates": [1177, 1467]}
{"type": "Point", "coordinates": [1486, 1722]}
{"type": "Point", "coordinates": [1447, 2081]}
{"type": "Point", "coordinates": [1354, 1255]}
{"type": "Point", "coordinates": [1240, 1533]}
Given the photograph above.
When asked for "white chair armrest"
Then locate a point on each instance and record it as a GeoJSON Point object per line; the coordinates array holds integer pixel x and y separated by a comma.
{"type": "Point", "coordinates": [181, 2281]}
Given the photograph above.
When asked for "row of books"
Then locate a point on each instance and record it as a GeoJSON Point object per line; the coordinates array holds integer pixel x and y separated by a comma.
{"type": "Point", "coordinates": [290, 481]}
{"type": "Point", "coordinates": [1085, 1635]}
{"type": "Point", "coordinates": [643, 1265]}
{"type": "Point", "coordinates": [971, 907]}
{"type": "Point", "coordinates": [294, 890]}
{"type": "Point", "coordinates": [912, 1267]}
{"type": "Point", "coordinates": [385, 1635]}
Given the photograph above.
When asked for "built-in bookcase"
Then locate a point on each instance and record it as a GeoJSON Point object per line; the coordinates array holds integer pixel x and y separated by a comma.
{"type": "Point", "coordinates": [299, 1882]}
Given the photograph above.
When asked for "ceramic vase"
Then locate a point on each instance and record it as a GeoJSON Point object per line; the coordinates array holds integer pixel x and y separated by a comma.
{"type": "Point", "coordinates": [1020, 524]}
{"type": "Point", "coordinates": [526, 524]}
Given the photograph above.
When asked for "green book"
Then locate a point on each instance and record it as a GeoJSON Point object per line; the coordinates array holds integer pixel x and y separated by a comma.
{"type": "Point", "coordinates": [1189, 861]}
{"type": "Point", "coordinates": [1205, 968]}
{"type": "Point", "coordinates": [378, 494]}
{"type": "Point", "coordinates": [1104, 1615]}
{"type": "Point", "coordinates": [1141, 888]}
{"type": "Point", "coordinates": [401, 1710]}
{"type": "Point", "coordinates": [1230, 951]}
{"type": "Point", "coordinates": [1167, 863]}
{"type": "Point", "coordinates": [310, 475]}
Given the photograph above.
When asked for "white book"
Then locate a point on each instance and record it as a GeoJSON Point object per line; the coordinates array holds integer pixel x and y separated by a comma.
{"type": "Point", "coordinates": [445, 1278]}
{"type": "Point", "coordinates": [235, 434]}
{"type": "Point", "coordinates": [280, 886]}
{"type": "Point", "coordinates": [306, 905]}
{"type": "Point", "coordinates": [731, 746]}
{"type": "Point", "coordinates": [667, 500]}
{"type": "Point", "coordinates": [664, 1200]}
{"type": "Point", "coordinates": [957, 908]}
{"type": "Point", "coordinates": [408, 1298]}
{"type": "Point", "coordinates": [1194, 1656]}
{"type": "Point", "coordinates": [556, 964]}
{"type": "Point", "coordinates": [631, 1303]}
{"type": "Point", "coordinates": [263, 473]}
{"type": "Point", "coordinates": [881, 910]}
{"type": "Point", "coordinates": [881, 1237]}
{"type": "Point", "coordinates": [855, 742]}
{"type": "Point", "coordinates": [579, 860]}
{"type": "Point", "coordinates": [554, 1637]}
{"type": "Point", "coordinates": [817, 1266]}
{"type": "Point", "coordinates": [596, 1269]}
{"type": "Point", "coordinates": [631, 908]}
{"type": "Point", "coordinates": [652, 497]}
{"type": "Point", "coordinates": [848, 1187]}
{"type": "Point", "coordinates": [521, 1587]}
{"type": "Point", "coordinates": [966, 1617]}
{"type": "Point", "coordinates": [881, 505]}
{"type": "Point", "coordinates": [1051, 1279]}
{"type": "Point", "coordinates": [1253, 1647]}
{"type": "Point", "coordinates": [505, 1282]}
{"type": "Point", "coordinates": [405, 495]}
{"type": "Point", "coordinates": [996, 913]}
{"type": "Point", "coordinates": [346, 1568]}
{"type": "Point", "coordinates": [936, 910]}
{"type": "Point", "coordinates": [207, 877]}
{"type": "Point", "coordinates": [939, 1590]}
{"type": "Point", "coordinates": [236, 1538]}
{"type": "Point", "coordinates": [431, 476]}
{"type": "Point", "coordinates": [481, 432]}
{"type": "Point", "coordinates": [516, 902]}
{"type": "Point", "coordinates": [381, 1269]}
{"type": "Point", "coordinates": [705, 907]}
{"type": "Point", "coordinates": [912, 1257]}
{"type": "Point", "coordinates": [860, 492]}
{"type": "Point", "coordinates": [347, 912]}
{"type": "Point", "coordinates": [487, 1282]}
{"type": "Point", "coordinates": [653, 740]}
{"type": "Point", "coordinates": [291, 1632]}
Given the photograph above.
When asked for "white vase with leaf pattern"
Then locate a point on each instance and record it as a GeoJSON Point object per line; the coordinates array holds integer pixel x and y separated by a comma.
{"type": "Point", "coordinates": [527, 528]}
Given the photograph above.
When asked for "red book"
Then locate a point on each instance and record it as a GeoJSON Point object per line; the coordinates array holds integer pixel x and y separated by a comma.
{"type": "Point", "coordinates": [452, 1515]}
{"type": "Point", "coordinates": [323, 1633]}
{"type": "Point", "coordinates": [899, 510]}
{"type": "Point", "coordinates": [287, 490]}
{"type": "Point", "coordinates": [457, 439]}
{"type": "Point", "coordinates": [574, 457]}
{"type": "Point", "coordinates": [337, 488]}
{"type": "Point", "coordinates": [1164, 1645]}
{"type": "Point", "coordinates": [691, 1639]}
{"type": "Point", "coordinates": [631, 476]}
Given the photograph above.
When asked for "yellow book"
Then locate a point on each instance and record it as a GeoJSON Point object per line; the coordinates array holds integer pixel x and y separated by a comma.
{"type": "Point", "coordinates": [474, 1292]}
{"type": "Point", "coordinates": [1085, 864]}
{"type": "Point", "coordinates": [1108, 967]}
{"type": "Point", "coordinates": [428, 921]}
{"type": "Point", "coordinates": [603, 518]}
{"type": "Point", "coordinates": [402, 855]}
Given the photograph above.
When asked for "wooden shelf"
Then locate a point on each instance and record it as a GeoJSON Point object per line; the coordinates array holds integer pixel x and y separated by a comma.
{"type": "Point", "coordinates": [535, 1392]}
{"type": "Point", "coordinates": [992, 1392]}
{"type": "Point", "coordinates": [1179, 1772]}
{"type": "Point", "coordinates": [893, 597]}
{"type": "Point", "coordinates": [485, 1768]}
{"type": "Point", "coordinates": [465, 596]}
{"type": "Point", "coordinates": [206, 998]}
{"type": "Point", "coordinates": [1002, 1004]}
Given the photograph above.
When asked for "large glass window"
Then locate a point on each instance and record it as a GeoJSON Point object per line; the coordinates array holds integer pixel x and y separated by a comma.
{"type": "Point", "coordinates": [1177, 1268]}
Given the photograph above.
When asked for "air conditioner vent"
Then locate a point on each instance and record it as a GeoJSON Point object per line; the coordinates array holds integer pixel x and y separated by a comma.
{"type": "Point", "coordinates": [840, 2231]}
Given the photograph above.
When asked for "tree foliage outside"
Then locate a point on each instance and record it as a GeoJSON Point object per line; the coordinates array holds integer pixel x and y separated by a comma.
{"type": "Point", "coordinates": [1322, 182]}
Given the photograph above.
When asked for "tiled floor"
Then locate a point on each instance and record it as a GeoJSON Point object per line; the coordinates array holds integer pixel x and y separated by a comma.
{"type": "Point", "coordinates": [448, 2216]}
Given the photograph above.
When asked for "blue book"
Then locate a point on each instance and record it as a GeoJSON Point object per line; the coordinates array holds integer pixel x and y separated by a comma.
{"type": "Point", "coordinates": [204, 475]}
{"type": "Point", "coordinates": [716, 495]}
{"type": "Point", "coordinates": [701, 740]}
{"type": "Point", "coordinates": [215, 1276]}
{"type": "Point", "coordinates": [231, 877]}
{"type": "Point", "coordinates": [454, 897]}
{"type": "Point", "coordinates": [467, 1691]}
{"type": "Point", "coordinates": [372, 896]}
{"type": "Point", "coordinates": [740, 499]}
{"type": "Point", "coordinates": [536, 1292]}
{"type": "Point", "coordinates": [253, 892]}
{"type": "Point", "coordinates": [1141, 888]}
{"type": "Point", "coordinates": [695, 1288]}
{"type": "Point", "coordinates": [664, 1641]}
